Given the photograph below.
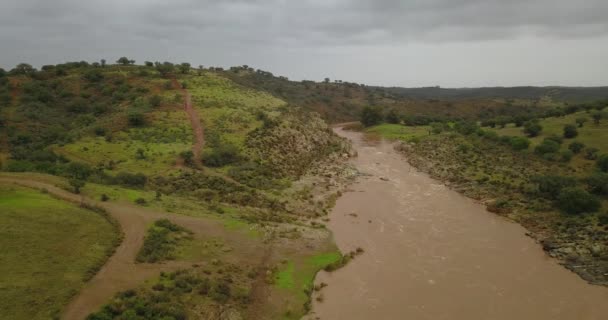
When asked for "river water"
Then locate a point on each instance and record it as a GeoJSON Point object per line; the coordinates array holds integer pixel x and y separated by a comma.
{"type": "Point", "coordinates": [431, 253]}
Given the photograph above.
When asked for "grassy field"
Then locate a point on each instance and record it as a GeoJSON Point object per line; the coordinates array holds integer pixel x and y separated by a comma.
{"type": "Point", "coordinates": [591, 134]}
{"type": "Point", "coordinates": [49, 249]}
{"type": "Point", "coordinates": [398, 132]}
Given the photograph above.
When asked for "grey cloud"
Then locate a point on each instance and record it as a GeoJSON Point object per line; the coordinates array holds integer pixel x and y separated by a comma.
{"type": "Point", "coordinates": [222, 31]}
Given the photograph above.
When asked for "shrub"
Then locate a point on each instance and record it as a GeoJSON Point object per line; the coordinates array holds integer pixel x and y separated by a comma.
{"type": "Point", "coordinates": [591, 153]}
{"type": "Point", "coordinates": [555, 138]}
{"type": "Point", "coordinates": [602, 162]}
{"type": "Point", "coordinates": [570, 131]}
{"type": "Point", "coordinates": [136, 119]}
{"type": "Point", "coordinates": [131, 180]}
{"type": "Point", "coordinates": [566, 155]}
{"type": "Point", "coordinates": [532, 128]}
{"type": "Point", "coordinates": [155, 100]}
{"type": "Point", "coordinates": [575, 200]}
{"type": "Point", "coordinates": [519, 143]}
{"type": "Point", "coordinates": [222, 155]}
{"type": "Point", "coordinates": [76, 185]}
{"type": "Point", "coordinates": [576, 147]}
{"type": "Point", "coordinates": [551, 186]}
{"type": "Point", "coordinates": [547, 146]}
{"type": "Point", "coordinates": [598, 183]}
{"type": "Point", "coordinates": [104, 197]}
{"type": "Point", "coordinates": [371, 116]}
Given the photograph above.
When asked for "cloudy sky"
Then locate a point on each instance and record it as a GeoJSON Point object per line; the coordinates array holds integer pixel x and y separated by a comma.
{"type": "Point", "coordinates": [452, 43]}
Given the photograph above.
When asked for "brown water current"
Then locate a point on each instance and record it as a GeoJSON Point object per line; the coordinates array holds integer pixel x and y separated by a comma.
{"type": "Point", "coordinates": [431, 253]}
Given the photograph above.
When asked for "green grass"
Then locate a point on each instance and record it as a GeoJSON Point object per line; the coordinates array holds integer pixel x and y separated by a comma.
{"type": "Point", "coordinates": [49, 249]}
{"type": "Point", "coordinates": [295, 278]}
{"type": "Point", "coordinates": [398, 132]}
{"type": "Point", "coordinates": [591, 134]}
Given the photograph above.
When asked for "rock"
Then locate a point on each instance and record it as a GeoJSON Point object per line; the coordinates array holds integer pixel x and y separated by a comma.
{"type": "Point", "coordinates": [384, 179]}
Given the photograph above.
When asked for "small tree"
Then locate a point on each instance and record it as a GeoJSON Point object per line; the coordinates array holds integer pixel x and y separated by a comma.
{"type": "Point", "coordinates": [188, 157]}
{"type": "Point", "coordinates": [103, 63]}
{"type": "Point", "coordinates": [23, 68]}
{"type": "Point", "coordinates": [184, 67]}
{"type": "Point", "coordinates": [136, 119]}
{"type": "Point", "coordinates": [598, 116]}
{"type": "Point", "coordinates": [576, 147]}
{"type": "Point", "coordinates": [532, 128]}
{"type": "Point", "coordinates": [392, 117]}
{"type": "Point", "coordinates": [575, 200]}
{"type": "Point", "coordinates": [149, 64]}
{"type": "Point", "coordinates": [155, 100]}
{"type": "Point", "coordinates": [598, 183]}
{"type": "Point", "coordinates": [519, 143]}
{"type": "Point", "coordinates": [124, 61]}
{"type": "Point", "coordinates": [76, 185]}
{"type": "Point", "coordinates": [602, 162]}
{"type": "Point", "coordinates": [547, 146]}
{"type": "Point", "coordinates": [570, 131]}
{"type": "Point", "coordinates": [371, 116]}
{"type": "Point", "coordinates": [581, 121]}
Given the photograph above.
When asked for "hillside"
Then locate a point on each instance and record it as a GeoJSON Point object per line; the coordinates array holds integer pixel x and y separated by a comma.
{"type": "Point", "coordinates": [243, 171]}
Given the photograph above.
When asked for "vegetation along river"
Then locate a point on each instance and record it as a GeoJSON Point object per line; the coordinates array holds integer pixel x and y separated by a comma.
{"type": "Point", "coordinates": [431, 253]}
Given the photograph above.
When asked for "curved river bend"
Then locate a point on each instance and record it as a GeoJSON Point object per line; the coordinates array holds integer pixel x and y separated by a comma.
{"type": "Point", "coordinates": [431, 253]}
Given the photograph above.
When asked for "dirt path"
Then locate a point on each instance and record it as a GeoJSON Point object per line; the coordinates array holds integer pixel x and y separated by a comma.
{"type": "Point", "coordinates": [195, 121]}
{"type": "Point", "coordinates": [431, 253]}
{"type": "Point", "coordinates": [120, 271]}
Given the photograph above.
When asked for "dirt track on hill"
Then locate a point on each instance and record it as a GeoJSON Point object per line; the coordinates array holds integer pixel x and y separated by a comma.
{"type": "Point", "coordinates": [197, 127]}
{"type": "Point", "coordinates": [120, 271]}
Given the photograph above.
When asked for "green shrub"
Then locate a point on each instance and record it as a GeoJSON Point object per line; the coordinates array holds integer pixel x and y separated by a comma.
{"type": "Point", "coordinates": [136, 119]}
{"type": "Point", "coordinates": [547, 146]}
{"type": "Point", "coordinates": [576, 147]}
{"type": "Point", "coordinates": [519, 143]}
{"type": "Point", "coordinates": [574, 200]}
{"type": "Point", "coordinates": [598, 183]}
{"type": "Point", "coordinates": [570, 131]}
{"type": "Point", "coordinates": [566, 155]}
{"type": "Point", "coordinates": [137, 180]}
{"type": "Point", "coordinates": [602, 162]}
{"type": "Point", "coordinates": [591, 153]}
{"type": "Point", "coordinates": [532, 128]}
{"type": "Point", "coordinates": [222, 155]}
{"type": "Point", "coordinates": [551, 186]}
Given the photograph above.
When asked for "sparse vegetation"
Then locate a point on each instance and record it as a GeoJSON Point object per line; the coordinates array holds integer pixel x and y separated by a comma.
{"type": "Point", "coordinates": [161, 241]}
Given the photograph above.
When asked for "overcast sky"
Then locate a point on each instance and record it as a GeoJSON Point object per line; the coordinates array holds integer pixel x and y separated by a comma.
{"type": "Point", "coordinates": [452, 43]}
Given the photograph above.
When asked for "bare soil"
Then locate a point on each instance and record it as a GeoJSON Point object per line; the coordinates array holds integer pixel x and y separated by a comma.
{"type": "Point", "coordinates": [195, 121]}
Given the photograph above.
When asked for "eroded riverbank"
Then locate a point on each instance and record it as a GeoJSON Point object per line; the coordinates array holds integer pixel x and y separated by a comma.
{"type": "Point", "coordinates": [431, 253]}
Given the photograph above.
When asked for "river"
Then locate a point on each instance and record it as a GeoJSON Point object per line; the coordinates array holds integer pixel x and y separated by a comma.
{"type": "Point", "coordinates": [431, 253]}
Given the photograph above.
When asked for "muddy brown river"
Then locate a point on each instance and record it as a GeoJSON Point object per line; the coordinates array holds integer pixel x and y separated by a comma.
{"type": "Point", "coordinates": [431, 253]}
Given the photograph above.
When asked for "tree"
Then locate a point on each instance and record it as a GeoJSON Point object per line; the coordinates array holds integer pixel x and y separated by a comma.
{"type": "Point", "coordinates": [576, 147]}
{"type": "Point", "coordinates": [23, 69]}
{"type": "Point", "coordinates": [326, 80]}
{"type": "Point", "coordinates": [570, 131]}
{"type": "Point", "coordinates": [149, 64]}
{"type": "Point", "coordinates": [392, 117]}
{"type": "Point", "coordinates": [519, 143]}
{"type": "Point", "coordinates": [532, 128]}
{"type": "Point", "coordinates": [188, 156]}
{"type": "Point", "coordinates": [547, 146]}
{"type": "Point", "coordinates": [598, 183]}
{"type": "Point", "coordinates": [184, 67]}
{"type": "Point", "coordinates": [602, 162]}
{"type": "Point", "coordinates": [550, 186]}
{"type": "Point", "coordinates": [575, 200]}
{"type": "Point", "coordinates": [124, 61]}
{"type": "Point", "coordinates": [371, 116]}
{"type": "Point", "coordinates": [164, 68]}
{"type": "Point", "coordinates": [598, 116]}
{"type": "Point", "coordinates": [436, 127]}
{"type": "Point", "coordinates": [103, 63]}
{"type": "Point", "coordinates": [155, 100]}
{"type": "Point", "coordinates": [200, 70]}
{"type": "Point", "coordinates": [2, 73]}
{"type": "Point", "coordinates": [136, 119]}
{"type": "Point", "coordinates": [76, 185]}
{"type": "Point", "coordinates": [581, 121]}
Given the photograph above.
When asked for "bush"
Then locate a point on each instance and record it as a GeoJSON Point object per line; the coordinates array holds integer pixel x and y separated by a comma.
{"type": "Point", "coordinates": [519, 143]}
{"type": "Point", "coordinates": [547, 146]}
{"type": "Point", "coordinates": [222, 155]}
{"type": "Point", "coordinates": [532, 128]}
{"type": "Point", "coordinates": [371, 116]}
{"type": "Point", "coordinates": [570, 131]}
{"type": "Point", "coordinates": [576, 200]}
{"type": "Point", "coordinates": [551, 186]}
{"type": "Point", "coordinates": [598, 183]}
{"type": "Point", "coordinates": [566, 155]}
{"type": "Point", "coordinates": [104, 197]}
{"type": "Point", "coordinates": [555, 138]}
{"type": "Point", "coordinates": [131, 180]}
{"type": "Point", "coordinates": [602, 162]}
{"type": "Point", "coordinates": [136, 119]}
{"type": "Point", "coordinates": [576, 147]}
{"type": "Point", "coordinates": [76, 185]}
{"type": "Point", "coordinates": [591, 153]}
